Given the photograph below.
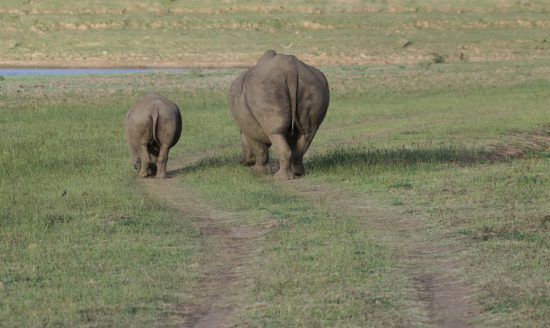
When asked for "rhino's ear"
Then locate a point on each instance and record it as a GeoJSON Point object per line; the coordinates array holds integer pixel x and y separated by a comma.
{"type": "Point", "coordinates": [268, 54]}
{"type": "Point", "coordinates": [137, 164]}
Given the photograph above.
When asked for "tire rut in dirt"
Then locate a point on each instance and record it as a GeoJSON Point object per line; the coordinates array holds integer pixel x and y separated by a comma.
{"type": "Point", "coordinates": [227, 248]}
{"type": "Point", "coordinates": [430, 258]}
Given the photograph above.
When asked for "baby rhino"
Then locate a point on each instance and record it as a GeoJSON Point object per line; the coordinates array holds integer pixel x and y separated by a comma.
{"type": "Point", "coordinates": [153, 126]}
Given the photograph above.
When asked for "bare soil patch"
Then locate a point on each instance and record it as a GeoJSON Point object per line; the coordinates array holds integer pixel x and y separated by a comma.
{"type": "Point", "coordinates": [244, 60]}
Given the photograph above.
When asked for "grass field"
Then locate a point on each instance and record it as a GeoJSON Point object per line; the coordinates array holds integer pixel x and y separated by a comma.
{"type": "Point", "coordinates": [82, 245]}
{"type": "Point", "coordinates": [425, 200]}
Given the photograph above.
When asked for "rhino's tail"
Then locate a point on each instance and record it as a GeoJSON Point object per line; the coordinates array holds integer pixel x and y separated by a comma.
{"type": "Point", "coordinates": [155, 125]}
{"type": "Point", "coordinates": [292, 84]}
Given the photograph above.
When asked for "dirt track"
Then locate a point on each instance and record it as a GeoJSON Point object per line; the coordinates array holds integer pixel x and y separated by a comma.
{"type": "Point", "coordinates": [227, 248]}
{"type": "Point", "coordinates": [428, 257]}
{"type": "Point", "coordinates": [425, 255]}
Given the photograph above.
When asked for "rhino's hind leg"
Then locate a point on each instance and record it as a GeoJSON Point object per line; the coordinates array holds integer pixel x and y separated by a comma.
{"type": "Point", "coordinates": [145, 161]}
{"type": "Point", "coordinates": [298, 150]}
{"type": "Point", "coordinates": [283, 150]}
{"type": "Point", "coordinates": [161, 162]}
{"type": "Point", "coordinates": [261, 154]}
{"type": "Point", "coordinates": [153, 153]}
{"type": "Point", "coordinates": [134, 155]}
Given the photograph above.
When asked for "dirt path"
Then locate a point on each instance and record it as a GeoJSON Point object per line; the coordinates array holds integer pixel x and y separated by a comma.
{"type": "Point", "coordinates": [227, 248]}
{"type": "Point", "coordinates": [429, 257]}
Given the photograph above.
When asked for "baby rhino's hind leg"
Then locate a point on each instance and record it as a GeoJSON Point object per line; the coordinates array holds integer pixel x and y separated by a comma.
{"type": "Point", "coordinates": [247, 155]}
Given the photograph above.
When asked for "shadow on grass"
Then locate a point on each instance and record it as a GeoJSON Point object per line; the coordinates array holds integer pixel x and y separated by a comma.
{"type": "Point", "coordinates": [204, 163]}
{"type": "Point", "coordinates": [404, 156]}
{"type": "Point", "coordinates": [353, 156]}
{"type": "Point", "coordinates": [516, 146]}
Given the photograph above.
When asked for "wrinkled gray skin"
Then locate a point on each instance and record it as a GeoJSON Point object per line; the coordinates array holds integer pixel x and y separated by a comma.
{"type": "Point", "coordinates": [153, 126]}
{"type": "Point", "coordinates": [281, 102]}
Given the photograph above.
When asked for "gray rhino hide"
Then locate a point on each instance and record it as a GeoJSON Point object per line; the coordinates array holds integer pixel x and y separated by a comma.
{"type": "Point", "coordinates": [153, 126]}
{"type": "Point", "coordinates": [281, 102]}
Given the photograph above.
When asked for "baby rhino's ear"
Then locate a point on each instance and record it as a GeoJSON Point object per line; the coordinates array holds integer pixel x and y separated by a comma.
{"type": "Point", "coordinates": [137, 164]}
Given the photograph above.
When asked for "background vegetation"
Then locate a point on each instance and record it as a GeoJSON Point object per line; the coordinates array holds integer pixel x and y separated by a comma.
{"type": "Point", "coordinates": [232, 33]}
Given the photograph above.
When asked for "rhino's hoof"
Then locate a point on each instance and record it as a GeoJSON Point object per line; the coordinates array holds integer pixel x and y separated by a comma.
{"type": "Point", "coordinates": [263, 169]}
{"type": "Point", "coordinates": [284, 175]}
{"type": "Point", "coordinates": [248, 162]}
{"type": "Point", "coordinates": [298, 170]}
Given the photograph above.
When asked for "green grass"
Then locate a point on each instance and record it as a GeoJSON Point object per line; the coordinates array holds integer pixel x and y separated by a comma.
{"type": "Point", "coordinates": [499, 209]}
{"type": "Point", "coordinates": [103, 254]}
{"type": "Point", "coordinates": [438, 164]}
{"type": "Point", "coordinates": [82, 246]}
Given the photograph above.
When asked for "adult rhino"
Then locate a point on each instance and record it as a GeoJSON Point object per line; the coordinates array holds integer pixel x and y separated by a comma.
{"type": "Point", "coordinates": [281, 101]}
{"type": "Point", "coordinates": [153, 126]}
